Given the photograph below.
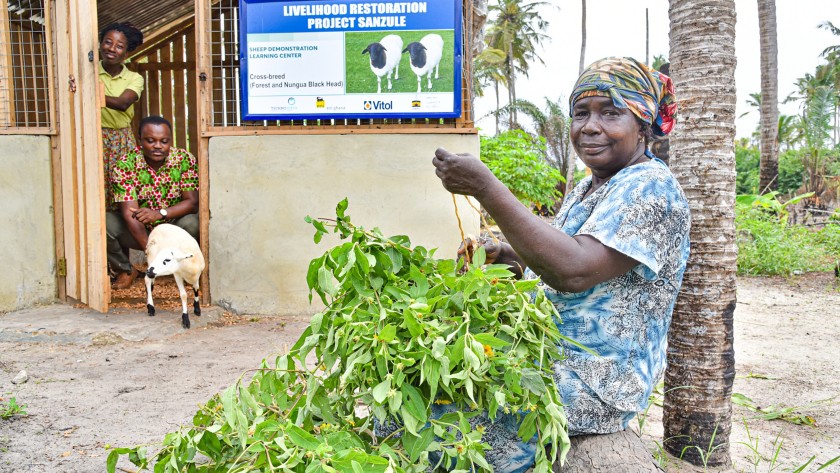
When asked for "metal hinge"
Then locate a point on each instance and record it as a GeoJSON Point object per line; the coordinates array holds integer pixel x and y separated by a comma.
{"type": "Point", "coordinates": [62, 267]}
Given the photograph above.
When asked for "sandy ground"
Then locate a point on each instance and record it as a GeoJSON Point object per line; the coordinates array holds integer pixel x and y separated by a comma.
{"type": "Point", "coordinates": [123, 378]}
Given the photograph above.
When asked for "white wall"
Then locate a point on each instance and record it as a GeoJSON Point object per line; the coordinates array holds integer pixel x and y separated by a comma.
{"type": "Point", "coordinates": [27, 243]}
{"type": "Point", "coordinates": [262, 187]}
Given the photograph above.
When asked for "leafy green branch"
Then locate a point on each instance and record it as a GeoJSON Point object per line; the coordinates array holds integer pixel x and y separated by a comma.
{"type": "Point", "coordinates": [401, 331]}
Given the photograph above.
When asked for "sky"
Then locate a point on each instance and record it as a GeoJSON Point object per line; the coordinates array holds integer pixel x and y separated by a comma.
{"type": "Point", "coordinates": [617, 28]}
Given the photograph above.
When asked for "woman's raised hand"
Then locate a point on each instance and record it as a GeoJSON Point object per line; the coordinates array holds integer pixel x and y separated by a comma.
{"type": "Point", "coordinates": [462, 173]}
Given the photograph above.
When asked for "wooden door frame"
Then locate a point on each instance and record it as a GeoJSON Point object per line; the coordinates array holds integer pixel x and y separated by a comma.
{"type": "Point", "coordinates": [79, 145]}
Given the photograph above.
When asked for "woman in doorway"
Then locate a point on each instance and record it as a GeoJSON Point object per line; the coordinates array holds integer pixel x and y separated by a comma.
{"type": "Point", "coordinates": [122, 88]}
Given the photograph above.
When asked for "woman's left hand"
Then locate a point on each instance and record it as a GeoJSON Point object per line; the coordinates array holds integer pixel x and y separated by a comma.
{"type": "Point", "coordinates": [462, 173]}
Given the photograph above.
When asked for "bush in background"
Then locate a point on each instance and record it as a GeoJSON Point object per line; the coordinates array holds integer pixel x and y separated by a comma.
{"type": "Point", "coordinates": [768, 246]}
{"type": "Point", "coordinates": [518, 160]}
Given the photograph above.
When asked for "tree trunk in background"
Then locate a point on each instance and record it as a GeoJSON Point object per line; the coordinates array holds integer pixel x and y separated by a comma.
{"type": "Point", "coordinates": [769, 164]}
{"type": "Point", "coordinates": [701, 359]}
{"type": "Point", "coordinates": [479, 18]}
{"type": "Point", "coordinates": [582, 36]}
{"type": "Point", "coordinates": [661, 148]}
{"type": "Point", "coordinates": [647, 38]}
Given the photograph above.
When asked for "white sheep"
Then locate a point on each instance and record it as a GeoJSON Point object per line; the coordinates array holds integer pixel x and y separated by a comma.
{"type": "Point", "coordinates": [385, 59]}
{"type": "Point", "coordinates": [425, 57]}
{"type": "Point", "coordinates": [171, 250]}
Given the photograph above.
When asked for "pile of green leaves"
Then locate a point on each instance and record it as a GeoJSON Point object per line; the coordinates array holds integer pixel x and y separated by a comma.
{"type": "Point", "coordinates": [519, 161]}
{"type": "Point", "coordinates": [401, 331]}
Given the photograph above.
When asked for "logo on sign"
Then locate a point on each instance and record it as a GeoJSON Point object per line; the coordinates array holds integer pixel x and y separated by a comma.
{"type": "Point", "coordinates": [378, 105]}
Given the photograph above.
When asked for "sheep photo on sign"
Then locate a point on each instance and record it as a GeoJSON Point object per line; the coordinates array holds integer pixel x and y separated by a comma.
{"type": "Point", "coordinates": [372, 68]}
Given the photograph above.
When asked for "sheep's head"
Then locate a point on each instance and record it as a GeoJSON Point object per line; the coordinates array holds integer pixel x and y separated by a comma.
{"type": "Point", "coordinates": [377, 54]}
{"type": "Point", "coordinates": [417, 52]}
{"type": "Point", "coordinates": [167, 262]}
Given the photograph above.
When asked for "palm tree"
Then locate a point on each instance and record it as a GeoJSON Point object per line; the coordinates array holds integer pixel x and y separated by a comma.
{"type": "Point", "coordinates": [701, 358]}
{"type": "Point", "coordinates": [517, 29]}
{"type": "Point", "coordinates": [487, 70]}
{"type": "Point", "coordinates": [769, 105]}
{"type": "Point", "coordinates": [582, 35]}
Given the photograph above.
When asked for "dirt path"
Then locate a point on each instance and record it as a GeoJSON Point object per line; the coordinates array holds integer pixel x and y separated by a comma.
{"type": "Point", "coordinates": [124, 379]}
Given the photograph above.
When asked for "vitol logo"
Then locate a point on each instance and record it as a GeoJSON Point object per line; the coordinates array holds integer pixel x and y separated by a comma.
{"type": "Point", "coordinates": [378, 105]}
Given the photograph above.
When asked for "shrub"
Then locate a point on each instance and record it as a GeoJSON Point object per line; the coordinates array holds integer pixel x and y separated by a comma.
{"type": "Point", "coordinates": [518, 160]}
{"type": "Point", "coordinates": [768, 246]}
{"type": "Point", "coordinates": [747, 162]}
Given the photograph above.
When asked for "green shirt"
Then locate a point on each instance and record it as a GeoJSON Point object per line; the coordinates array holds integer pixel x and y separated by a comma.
{"type": "Point", "coordinates": [114, 87]}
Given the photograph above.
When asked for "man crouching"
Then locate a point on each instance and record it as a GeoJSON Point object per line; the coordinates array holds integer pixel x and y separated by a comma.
{"type": "Point", "coordinates": [152, 184]}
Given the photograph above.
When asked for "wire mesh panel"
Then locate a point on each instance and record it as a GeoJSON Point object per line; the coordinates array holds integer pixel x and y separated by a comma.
{"type": "Point", "coordinates": [24, 65]}
{"type": "Point", "coordinates": [226, 112]}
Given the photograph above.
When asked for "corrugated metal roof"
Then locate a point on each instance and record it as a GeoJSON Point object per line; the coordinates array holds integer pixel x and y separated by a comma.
{"type": "Point", "coordinates": [148, 15]}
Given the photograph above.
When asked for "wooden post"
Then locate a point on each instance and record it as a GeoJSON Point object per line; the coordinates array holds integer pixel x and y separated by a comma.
{"type": "Point", "coordinates": [203, 79]}
{"type": "Point", "coordinates": [7, 84]}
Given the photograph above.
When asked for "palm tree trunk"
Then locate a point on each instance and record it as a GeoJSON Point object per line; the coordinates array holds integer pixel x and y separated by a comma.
{"type": "Point", "coordinates": [769, 163]}
{"type": "Point", "coordinates": [647, 38]}
{"type": "Point", "coordinates": [582, 36]}
{"type": "Point", "coordinates": [511, 83]}
{"type": "Point", "coordinates": [701, 359]}
{"type": "Point", "coordinates": [496, 88]}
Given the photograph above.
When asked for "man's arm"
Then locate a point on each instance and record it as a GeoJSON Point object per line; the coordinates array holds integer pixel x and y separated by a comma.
{"type": "Point", "coordinates": [128, 210]}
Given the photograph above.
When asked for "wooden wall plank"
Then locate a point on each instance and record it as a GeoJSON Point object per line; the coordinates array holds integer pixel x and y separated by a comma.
{"type": "Point", "coordinates": [152, 86]}
{"type": "Point", "coordinates": [7, 110]}
{"type": "Point", "coordinates": [66, 97]}
{"type": "Point", "coordinates": [179, 95]}
{"type": "Point", "coordinates": [192, 99]}
{"type": "Point", "coordinates": [204, 116]}
{"type": "Point", "coordinates": [89, 117]}
{"type": "Point", "coordinates": [166, 92]}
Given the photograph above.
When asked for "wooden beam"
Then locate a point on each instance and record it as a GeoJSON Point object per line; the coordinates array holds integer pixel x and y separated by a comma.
{"type": "Point", "coordinates": [204, 109]}
{"type": "Point", "coordinates": [7, 84]}
{"type": "Point", "coordinates": [66, 86]}
{"type": "Point", "coordinates": [336, 130]}
{"type": "Point", "coordinates": [90, 139]}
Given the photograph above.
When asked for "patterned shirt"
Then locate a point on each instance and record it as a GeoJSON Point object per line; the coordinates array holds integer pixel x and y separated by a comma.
{"type": "Point", "coordinates": [642, 213]}
{"type": "Point", "coordinates": [133, 179]}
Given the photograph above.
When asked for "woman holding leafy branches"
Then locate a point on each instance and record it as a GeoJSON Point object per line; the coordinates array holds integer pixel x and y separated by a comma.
{"type": "Point", "coordinates": [613, 260]}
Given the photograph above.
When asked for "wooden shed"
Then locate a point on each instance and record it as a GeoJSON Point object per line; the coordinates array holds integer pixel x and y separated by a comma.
{"type": "Point", "coordinates": [190, 62]}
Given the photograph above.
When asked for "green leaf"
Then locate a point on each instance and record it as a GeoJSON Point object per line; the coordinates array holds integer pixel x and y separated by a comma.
{"type": "Point", "coordinates": [414, 402]}
{"type": "Point", "coordinates": [410, 320]}
{"type": "Point", "coordinates": [532, 381]}
{"type": "Point", "coordinates": [302, 438]}
{"type": "Point", "coordinates": [362, 260]}
{"type": "Point", "coordinates": [416, 445]}
{"type": "Point", "coordinates": [388, 333]}
{"type": "Point", "coordinates": [325, 281]}
{"type": "Point", "coordinates": [528, 427]}
{"type": "Point", "coordinates": [380, 392]}
{"type": "Point", "coordinates": [486, 339]}
{"type": "Point", "coordinates": [341, 207]}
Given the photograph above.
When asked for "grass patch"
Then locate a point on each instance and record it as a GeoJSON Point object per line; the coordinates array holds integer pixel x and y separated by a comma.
{"type": "Point", "coordinates": [361, 80]}
{"type": "Point", "coordinates": [768, 246]}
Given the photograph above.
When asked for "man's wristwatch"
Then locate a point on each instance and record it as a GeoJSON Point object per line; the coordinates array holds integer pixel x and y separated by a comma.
{"type": "Point", "coordinates": [163, 212]}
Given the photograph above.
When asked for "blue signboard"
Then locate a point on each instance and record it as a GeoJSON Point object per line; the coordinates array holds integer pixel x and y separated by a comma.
{"type": "Point", "coordinates": [350, 59]}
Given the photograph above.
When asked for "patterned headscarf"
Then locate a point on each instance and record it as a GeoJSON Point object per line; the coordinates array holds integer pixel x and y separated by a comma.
{"type": "Point", "coordinates": [647, 93]}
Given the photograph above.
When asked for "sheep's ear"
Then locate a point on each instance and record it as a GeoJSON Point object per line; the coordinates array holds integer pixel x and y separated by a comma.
{"type": "Point", "coordinates": [367, 50]}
